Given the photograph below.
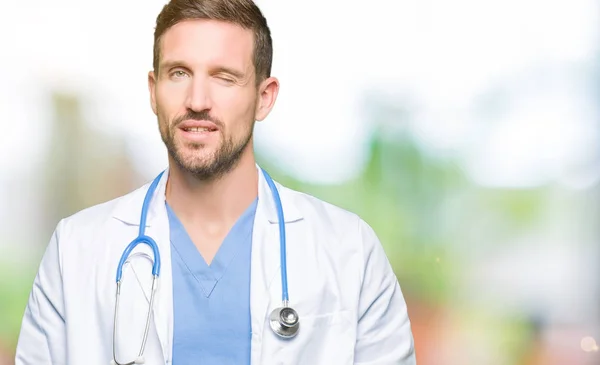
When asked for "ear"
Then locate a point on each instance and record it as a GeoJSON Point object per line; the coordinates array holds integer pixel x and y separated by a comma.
{"type": "Point", "coordinates": [152, 89]}
{"type": "Point", "coordinates": [267, 94]}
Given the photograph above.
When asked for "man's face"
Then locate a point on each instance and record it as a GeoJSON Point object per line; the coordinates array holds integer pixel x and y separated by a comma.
{"type": "Point", "coordinates": [206, 97]}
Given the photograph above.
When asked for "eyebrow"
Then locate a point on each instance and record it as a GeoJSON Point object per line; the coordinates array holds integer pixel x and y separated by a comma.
{"type": "Point", "coordinates": [171, 64]}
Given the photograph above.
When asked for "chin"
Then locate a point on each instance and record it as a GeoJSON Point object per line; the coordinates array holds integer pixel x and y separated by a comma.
{"type": "Point", "coordinates": [190, 151]}
{"type": "Point", "coordinates": [199, 160]}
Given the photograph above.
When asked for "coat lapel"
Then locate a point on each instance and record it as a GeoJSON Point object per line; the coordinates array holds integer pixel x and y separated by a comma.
{"type": "Point", "coordinates": [265, 257]}
{"type": "Point", "coordinates": [163, 301]}
{"type": "Point", "coordinates": [265, 264]}
{"type": "Point", "coordinates": [157, 227]}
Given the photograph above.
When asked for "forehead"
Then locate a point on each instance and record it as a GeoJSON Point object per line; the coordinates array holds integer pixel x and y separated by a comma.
{"type": "Point", "coordinates": [200, 42]}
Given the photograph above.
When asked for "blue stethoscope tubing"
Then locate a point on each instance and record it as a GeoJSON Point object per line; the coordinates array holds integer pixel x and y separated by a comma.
{"type": "Point", "coordinates": [142, 238]}
{"type": "Point", "coordinates": [282, 242]}
{"type": "Point", "coordinates": [284, 320]}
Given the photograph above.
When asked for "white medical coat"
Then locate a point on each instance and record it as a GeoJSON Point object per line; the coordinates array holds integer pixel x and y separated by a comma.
{"type": "Point", "coordinates": [340, 282]}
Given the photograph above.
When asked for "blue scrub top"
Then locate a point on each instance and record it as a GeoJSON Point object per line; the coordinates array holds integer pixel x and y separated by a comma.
{"type": "Point", "coordinates": [211, 304]}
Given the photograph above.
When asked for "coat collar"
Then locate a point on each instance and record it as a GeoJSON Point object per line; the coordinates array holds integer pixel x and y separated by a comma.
{"type": "Point", "coordinates": [265, 259]}
{"type": "Point", "coordinates": [128, 209]}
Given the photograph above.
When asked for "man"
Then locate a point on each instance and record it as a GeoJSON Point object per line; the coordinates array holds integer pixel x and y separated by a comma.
{"type": "Point", "coordinates": [213, 216]}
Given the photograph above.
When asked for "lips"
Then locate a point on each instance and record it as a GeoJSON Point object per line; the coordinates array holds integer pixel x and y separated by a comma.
{"type": "Point", "coordinates": [198, 126]}
{"type": "Point", "coordinates": [198, 129]}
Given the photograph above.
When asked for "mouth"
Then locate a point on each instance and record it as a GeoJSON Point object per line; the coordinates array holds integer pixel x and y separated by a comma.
{"type": "Point", "coordinates": [199, 129]}
{"type": "Point", "coordinates": [199, 132]}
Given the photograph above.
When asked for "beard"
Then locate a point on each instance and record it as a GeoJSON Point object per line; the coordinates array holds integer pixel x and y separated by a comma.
{"type": "Point", "coordinates": [193, 157]}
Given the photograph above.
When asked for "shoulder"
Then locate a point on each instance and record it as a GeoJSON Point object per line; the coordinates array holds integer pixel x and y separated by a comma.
{"type": "Point", "coordinates": [96, 216]}
{"type": "Point", "coordinates": [313, 208]}
{"type": "Point", "coordinates": [345, 236]}
{"type": "Point", "coordinates": [337, 220]}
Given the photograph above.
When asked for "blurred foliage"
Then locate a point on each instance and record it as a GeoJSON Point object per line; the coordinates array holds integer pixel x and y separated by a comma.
{"type": "Point", "coordinates": [401, 195]}
{"type": "Point", "coordinates": [15, 284]}
{"type": "Point", "coordinates": [421, 206]}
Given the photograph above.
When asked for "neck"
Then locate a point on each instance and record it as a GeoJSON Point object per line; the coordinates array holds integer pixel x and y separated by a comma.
{"type": "Point", "coordinates": [213, 203]}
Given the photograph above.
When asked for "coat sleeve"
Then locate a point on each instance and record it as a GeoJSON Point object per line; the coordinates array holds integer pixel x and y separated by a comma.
{"type": "Point", "coordinates": [384, 333]}
{"type": "Point", "coordinates": [42, 338]}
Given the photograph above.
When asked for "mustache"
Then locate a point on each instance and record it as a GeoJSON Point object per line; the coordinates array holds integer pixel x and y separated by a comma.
{"type": "Point", "coordinates": [192, 115]}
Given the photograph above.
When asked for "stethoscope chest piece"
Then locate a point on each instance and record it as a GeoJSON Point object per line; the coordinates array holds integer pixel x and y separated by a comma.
{"type": "Point", "coordinates": [284, 322]}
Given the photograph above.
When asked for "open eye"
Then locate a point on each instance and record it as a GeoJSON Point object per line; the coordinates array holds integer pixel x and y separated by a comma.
{"type": "Point", "coordinates": [178, 74]}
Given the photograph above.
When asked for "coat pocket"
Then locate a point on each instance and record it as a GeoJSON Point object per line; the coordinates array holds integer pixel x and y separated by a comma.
{"type": "Point", "coordinates": [326, 339]}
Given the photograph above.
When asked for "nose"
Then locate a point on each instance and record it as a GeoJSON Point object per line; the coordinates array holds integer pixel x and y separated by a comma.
{"type": "Point", "coordinates": [198, 97]}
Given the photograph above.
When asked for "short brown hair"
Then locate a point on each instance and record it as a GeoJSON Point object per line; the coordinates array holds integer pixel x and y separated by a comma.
{"type": "Point", "coordinates": [244, 13]}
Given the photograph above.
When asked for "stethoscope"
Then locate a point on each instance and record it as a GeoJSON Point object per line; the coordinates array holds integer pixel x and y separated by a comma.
{"type": "Point", "coordinates": [284, 320]}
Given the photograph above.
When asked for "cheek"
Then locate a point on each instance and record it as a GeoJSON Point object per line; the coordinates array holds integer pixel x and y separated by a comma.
{"type": "Point", "coordinates": [237, 106]}
{"type": "Point", "coordinates": [170, 98]}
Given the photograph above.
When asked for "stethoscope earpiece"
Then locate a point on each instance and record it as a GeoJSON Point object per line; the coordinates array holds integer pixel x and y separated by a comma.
{"type": "Point", "coordinates": [284, 322]}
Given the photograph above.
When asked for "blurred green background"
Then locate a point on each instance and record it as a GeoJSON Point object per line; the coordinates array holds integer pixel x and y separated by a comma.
{"type": "Point", "coordinates": [465, 133]}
